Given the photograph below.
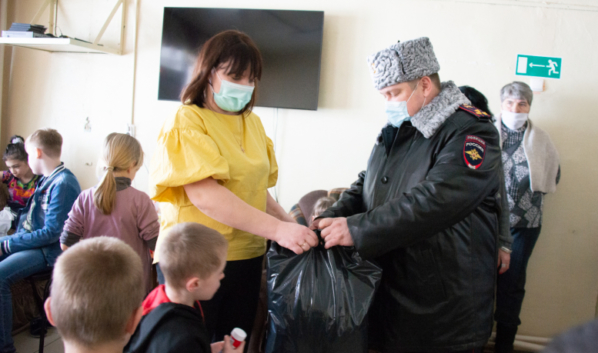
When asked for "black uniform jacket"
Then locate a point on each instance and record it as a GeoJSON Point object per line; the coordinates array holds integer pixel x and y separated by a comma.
{"type": "Point", "coordinates": [426, 209]}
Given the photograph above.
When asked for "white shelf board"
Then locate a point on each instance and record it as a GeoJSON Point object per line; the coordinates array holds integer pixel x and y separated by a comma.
{"type": "Point", "coordinates": [59, 45]}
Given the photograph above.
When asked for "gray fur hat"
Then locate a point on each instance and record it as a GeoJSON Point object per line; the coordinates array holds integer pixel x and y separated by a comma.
{"type": "Point", "coordinates": [403, 62]}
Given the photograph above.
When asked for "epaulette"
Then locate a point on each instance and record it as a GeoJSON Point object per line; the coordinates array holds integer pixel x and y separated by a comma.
{"type": "Point", "coordinates": [477, 112]}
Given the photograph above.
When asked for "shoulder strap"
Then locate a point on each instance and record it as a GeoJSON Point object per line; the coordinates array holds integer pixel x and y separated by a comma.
{"type": "Point", "coordinates": [478, 113]}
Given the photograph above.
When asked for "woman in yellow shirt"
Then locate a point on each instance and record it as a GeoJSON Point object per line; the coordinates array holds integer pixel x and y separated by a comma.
{"type": "Point", "coordinates": [213, 165]}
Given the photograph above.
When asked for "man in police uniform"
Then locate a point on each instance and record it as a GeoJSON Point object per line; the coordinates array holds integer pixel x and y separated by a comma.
{"type": "Point", "coordinates": [426, 209]}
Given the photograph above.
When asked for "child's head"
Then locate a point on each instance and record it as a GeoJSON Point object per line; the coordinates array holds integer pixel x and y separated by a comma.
{"type": "Point", "coordinates": [15, 157]}
{"type": "Point", "coordinates": [42, 145]}
{"type": "Point", "coordinates": [322, 205]}
{"type": "Point", "coordinates": [96, 293]}
{"type": "Point", "coordinates": [122, 155]}
{"type": "Point", "coordinates": [192, 257]}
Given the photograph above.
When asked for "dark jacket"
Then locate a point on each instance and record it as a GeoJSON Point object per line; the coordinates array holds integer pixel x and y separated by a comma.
{"type": "Point", "coordinates": [426, 208]}
{"type": "Point", "coordinates": [169, 327]}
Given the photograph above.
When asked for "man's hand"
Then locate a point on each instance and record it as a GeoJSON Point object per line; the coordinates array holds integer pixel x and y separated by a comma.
{"type": "Point", "coordinates": [335, 232]}
{"type": "Point", "coordinates": [504, 260]}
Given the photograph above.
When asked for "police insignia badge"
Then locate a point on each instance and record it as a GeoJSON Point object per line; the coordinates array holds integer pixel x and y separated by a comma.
{"type": "Point", "coordinates": [474, 151]}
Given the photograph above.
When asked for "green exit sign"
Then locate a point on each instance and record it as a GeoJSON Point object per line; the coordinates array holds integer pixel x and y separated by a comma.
{"type": "Point", "coordinates": [538, 66]}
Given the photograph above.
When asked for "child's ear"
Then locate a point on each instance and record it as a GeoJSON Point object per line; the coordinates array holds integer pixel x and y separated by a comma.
{"type": "Point", "coordinates": [49, 311]}
{"type": "Point", "coordinates": [134, 321]}
{"type": "Point", "coordinates": [193, 283]}
{"type": "Point", "coordinates": [131, 168]}
{"type": "Point", "coordinates": [38, 153]}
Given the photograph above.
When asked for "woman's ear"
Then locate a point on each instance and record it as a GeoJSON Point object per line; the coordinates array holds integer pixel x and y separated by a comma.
{"type": "Point", "coordinates": [211, 76]}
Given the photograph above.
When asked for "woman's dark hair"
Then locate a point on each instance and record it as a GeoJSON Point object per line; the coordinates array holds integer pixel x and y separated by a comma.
{"type": "Point", "coordinates": [476, 97]}
{"type": "Point", "coordinates": [237, 51]}
{"type": "Point", "coordinates": [15, 149]}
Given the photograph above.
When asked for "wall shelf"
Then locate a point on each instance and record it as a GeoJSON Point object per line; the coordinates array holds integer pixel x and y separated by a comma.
{"type": "Point", "coordinates": [59, 45]}
{"type": "Point", "coordinates": [70, 45]}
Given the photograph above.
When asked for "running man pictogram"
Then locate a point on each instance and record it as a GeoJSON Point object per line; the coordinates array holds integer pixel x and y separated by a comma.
{"type": "Point", "coordinates": [552, 66]}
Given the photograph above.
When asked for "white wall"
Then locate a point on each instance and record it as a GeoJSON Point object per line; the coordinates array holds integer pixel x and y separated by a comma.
{"type": "Point", "coordinates": [476, 43]}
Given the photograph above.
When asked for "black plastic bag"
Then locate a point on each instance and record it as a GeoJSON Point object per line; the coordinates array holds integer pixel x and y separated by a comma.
{"type": "Point", "coordinates": [318, 301]}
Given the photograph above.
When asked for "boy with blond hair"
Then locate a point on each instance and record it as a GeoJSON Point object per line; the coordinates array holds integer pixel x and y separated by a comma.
{"type": "Point", "coordinates": [192, 259]}
{"type": "Point", "coordinates": [35, 246]}
{"type": "Point", "coordinates": [97, 289]}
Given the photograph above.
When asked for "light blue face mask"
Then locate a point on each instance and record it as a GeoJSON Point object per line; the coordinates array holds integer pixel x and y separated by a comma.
{"type": "Point", "coordinates": [232, 97]}
{"type": "Point", "coordinates": [396, 112]}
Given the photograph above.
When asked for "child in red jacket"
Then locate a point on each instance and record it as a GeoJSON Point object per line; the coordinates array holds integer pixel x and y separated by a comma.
{"type": "Point", "coordinates": [192, 259]}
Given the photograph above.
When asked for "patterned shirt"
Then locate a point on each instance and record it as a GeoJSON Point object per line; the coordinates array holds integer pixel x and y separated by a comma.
{"type": "Point", "coordinates": [19, 193]}
{"type": "Point", "coordinates": [525, 206]}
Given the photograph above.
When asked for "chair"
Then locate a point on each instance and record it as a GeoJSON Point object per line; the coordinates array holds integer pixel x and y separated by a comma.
{"type": "Point", "coordinates": [45, 275]}
{"type": "Point", "coordinates": [305, 206]}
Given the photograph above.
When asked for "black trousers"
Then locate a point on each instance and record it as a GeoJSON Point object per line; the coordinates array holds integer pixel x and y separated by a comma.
{"type": "Point", "coordinates": [235, 302]}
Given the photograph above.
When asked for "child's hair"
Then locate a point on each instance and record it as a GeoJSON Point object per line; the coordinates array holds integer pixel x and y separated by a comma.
{"type": "Point", "coordinates": [97, 286]}
{"type": "Point", "coordinates": [121, 152]}
{"type": "Point", "coordinates": [322, 205]}
{"type": "Point", "coordinates": [4, 196]}
{"type": "Point", "coordinates": [47, 140]}
{"type": "Point", "coordinates": [190, 249]}
{"type": "Point", "coordinates": [15, 149]}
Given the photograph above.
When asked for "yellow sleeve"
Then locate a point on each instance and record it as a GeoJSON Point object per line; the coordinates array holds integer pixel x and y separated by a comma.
{"type": "Point", "coordinates": [273, 176]}
{"type": "Point", "coordinates": [184, 156]}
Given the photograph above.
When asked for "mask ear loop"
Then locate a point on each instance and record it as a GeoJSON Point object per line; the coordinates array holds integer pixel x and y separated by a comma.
{"type": "Point", "coordinates": [210, 83]}
{"type": "Point", "coordinates": [415, 89]}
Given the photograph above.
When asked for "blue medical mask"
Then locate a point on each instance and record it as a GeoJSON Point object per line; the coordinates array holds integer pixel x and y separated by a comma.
{"type": "Point", "coordinates": [232, 97]}
{"type": "Point", "coordinates": [396, 112]}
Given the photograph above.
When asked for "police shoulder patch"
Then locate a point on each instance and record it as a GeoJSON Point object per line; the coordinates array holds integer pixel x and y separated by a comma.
{"type": "Point", "coordinates": [474, 151]}
{"type": "Point", "coordinates": [477, 112]}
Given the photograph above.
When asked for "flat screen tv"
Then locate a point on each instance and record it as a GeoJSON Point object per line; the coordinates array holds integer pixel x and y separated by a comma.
{"type": "Point", "coordinates": [290, 43]}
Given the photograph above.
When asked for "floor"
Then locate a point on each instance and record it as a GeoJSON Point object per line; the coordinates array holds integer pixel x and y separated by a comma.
{"type": "Point", "coordinates": [25, 343]}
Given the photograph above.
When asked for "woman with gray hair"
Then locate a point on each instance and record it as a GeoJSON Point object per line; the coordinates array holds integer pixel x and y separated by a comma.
{"type": "Point", "coordinates": [531, 167]}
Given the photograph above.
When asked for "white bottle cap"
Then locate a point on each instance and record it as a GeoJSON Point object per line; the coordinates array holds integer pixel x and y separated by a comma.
{"type": "Point", "coordinates": [238, 334]}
